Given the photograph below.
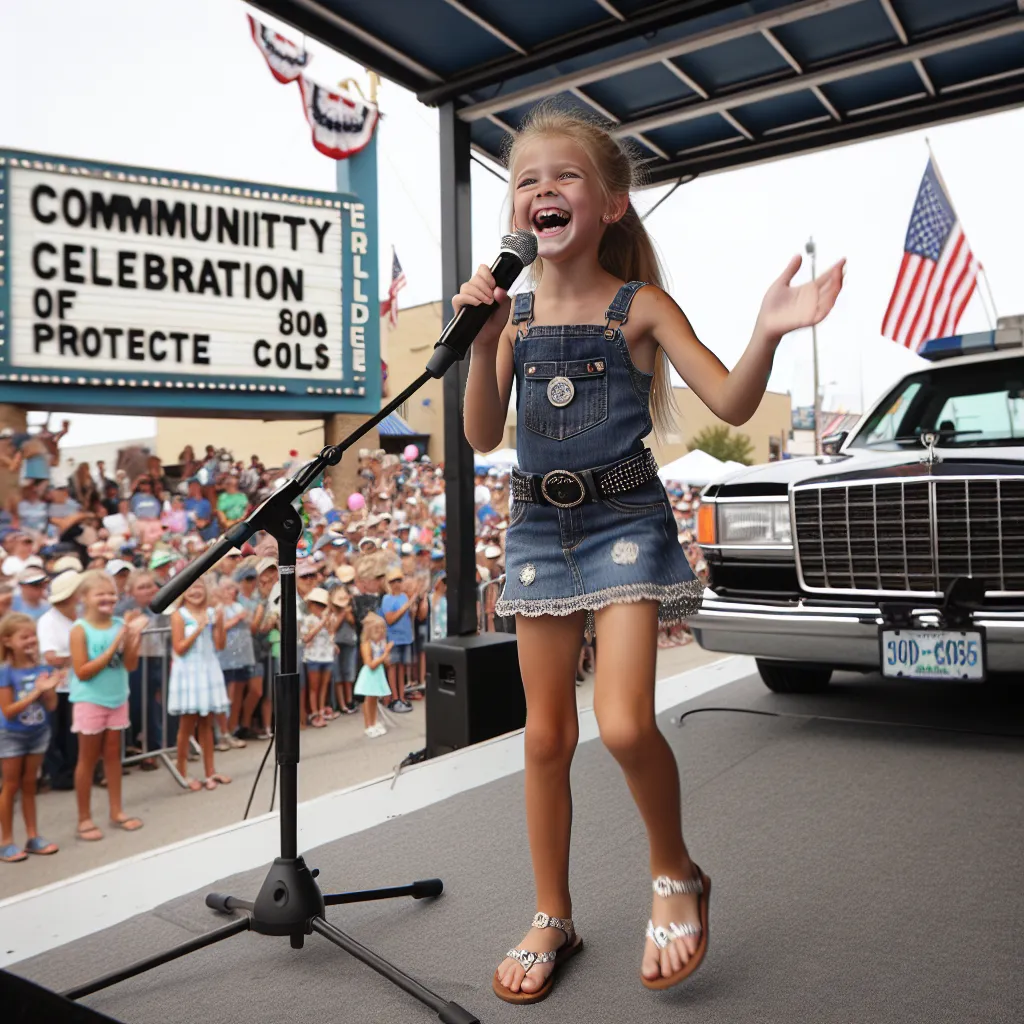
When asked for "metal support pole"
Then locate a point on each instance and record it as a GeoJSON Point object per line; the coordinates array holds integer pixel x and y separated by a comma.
{"type": "Point", "coordinates": [456, 267]}
{"type": "Point", "coordinates": [812, 251]}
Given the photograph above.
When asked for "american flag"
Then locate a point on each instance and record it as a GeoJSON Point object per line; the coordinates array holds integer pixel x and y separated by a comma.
{"type": "Point", "coordinates": [938, 274]}
{"type": "Point", "coordinates": [390, 304]}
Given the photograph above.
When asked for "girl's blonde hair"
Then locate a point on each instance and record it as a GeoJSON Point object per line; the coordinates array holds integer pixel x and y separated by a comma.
{"type": "Point", "coordinates": [9, 625]}
{"type": "Point", "coordinates": [626, 250]}
{"type": "Point", "coordinates": [92, 578]}
{"type": "Point", "coordinates": [371, 620]}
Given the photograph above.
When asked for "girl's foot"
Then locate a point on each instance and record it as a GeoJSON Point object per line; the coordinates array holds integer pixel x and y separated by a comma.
{"type": "Point", "coordinates": [192, 785]}
{"type": "Point", "coordinates": [218, 780]}
{"type": "Point", "coordinates": [37, 844]}
{"type": "Point", "coordinates": [234, 743]}
{"type": "Point", "coordinates": [12, 853]}
{"type": "Point", "coordinates": [514, 977]}
{"type": "Point", "coordinates": [672, 907]}
{"type": "Point", "coordinates": [127, 822]}
{"type": "Point", "coordinates": [88, 832]}
{"type": "Point", "coordinates": [222, 744]}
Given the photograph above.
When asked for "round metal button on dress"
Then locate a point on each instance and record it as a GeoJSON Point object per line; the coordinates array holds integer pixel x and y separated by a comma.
{"type": "Point", "coordinates": [560, 391]}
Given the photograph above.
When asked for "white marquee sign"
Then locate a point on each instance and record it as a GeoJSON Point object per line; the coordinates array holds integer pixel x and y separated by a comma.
{"type": "Point", "coordinates": [124, 276]}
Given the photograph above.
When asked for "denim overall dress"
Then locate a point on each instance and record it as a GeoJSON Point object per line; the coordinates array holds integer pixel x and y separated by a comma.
{"type": "Point", "coordinates": [614, 550]}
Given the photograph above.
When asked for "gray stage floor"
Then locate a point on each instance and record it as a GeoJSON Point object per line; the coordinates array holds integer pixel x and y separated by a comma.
{"type": "Point", "coordinates": [863, 871]}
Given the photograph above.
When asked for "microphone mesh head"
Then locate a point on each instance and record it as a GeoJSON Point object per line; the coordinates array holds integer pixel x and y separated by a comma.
{"type": "Point", "coordinates": [523, 244]}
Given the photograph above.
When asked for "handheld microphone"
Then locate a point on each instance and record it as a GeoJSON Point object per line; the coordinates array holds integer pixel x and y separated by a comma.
{"type": "Point", "coordinates": [518, 250]}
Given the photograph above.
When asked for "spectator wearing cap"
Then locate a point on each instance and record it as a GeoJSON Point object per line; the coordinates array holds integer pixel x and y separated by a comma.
{"type": "Point", "coordinates": [199, 511]}
{"type": "Point", "coordinates": [30, 598]}
{"type": "Point", "coordinates": [346, 640]}
{"type": "Point", "coordinates": [67, 563]}
{"type": "Point", "coordinates": [144, 503]}
{"type": "Point", "coordinates": [232, 504]}
{"type": "Point", "coordinates": [249, 596]}
{"type": "Point", "coordinates": [396, 608]}
{"type": "Point", "coordinates": [121, 570]}
{"type": "Point", "coordinates": [54, 632]}
{"type": "Point", "coordinates": [160, 564]}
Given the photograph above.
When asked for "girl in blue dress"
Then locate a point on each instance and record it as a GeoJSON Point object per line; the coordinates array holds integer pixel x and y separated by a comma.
{"type": "Point", "coordinates": [592, 541]}
{"type": "Point", "coordinates": [372, 681]}
{"type": "Point", "coordinates": [195, 688]}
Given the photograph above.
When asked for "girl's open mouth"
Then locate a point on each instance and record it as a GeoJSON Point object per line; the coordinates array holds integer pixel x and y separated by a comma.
{"type": "Point", "coordinates": [550, 221]}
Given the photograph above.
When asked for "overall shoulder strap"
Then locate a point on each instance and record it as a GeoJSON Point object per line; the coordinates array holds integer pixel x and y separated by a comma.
{"type": "Point", "coordinates": [523, 308]}
{"type": "Point", "coordinates": [618, 311]}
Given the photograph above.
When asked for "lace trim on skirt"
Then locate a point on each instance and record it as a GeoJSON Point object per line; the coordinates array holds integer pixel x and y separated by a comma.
{"type": "Point", "coordinates": [677, 601]}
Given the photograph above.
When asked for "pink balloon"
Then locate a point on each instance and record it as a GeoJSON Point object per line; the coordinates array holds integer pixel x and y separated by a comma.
{"type": "Point", "coordinates": [355, 502]}
{"type": "Point", "coordinates": [411, 453]}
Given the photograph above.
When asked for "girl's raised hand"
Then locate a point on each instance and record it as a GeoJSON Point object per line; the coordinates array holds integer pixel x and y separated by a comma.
{"type": "Point", "coordinates": [480, 290]}
{"type": "Point", "coordinates": [47, 681]}
{"type": "Point", "coordinates": [786, 307]}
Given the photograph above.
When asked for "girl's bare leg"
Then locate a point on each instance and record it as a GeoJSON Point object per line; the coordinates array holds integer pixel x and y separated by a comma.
{"type": "Point", "coordinates": [206, 744]}
{"type": "Point", "coordinates": [28, 793]}
{"type": "Point", "coordinates": [548, 647]}
{"type": "Point", "coordinates": [253, 695]}
{"type": "Point", "coordinates": [112, 770]}
{"type": "Point", "coordinates": [13, 773]}
{"type": "Point", "coordinates": [237, 693]}
{"type": "Point", "coordinates": [186, 727]}
{"type": "Point", "coordinates": [369, 712]}
{"type": "Point", "coordinates": [624, 708]}
{"type": "Point", "coordinates": [89, 749]}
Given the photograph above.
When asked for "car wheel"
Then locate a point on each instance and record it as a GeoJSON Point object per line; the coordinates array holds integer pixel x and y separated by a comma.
{"type": "Point", "coordinates": [785, 677]}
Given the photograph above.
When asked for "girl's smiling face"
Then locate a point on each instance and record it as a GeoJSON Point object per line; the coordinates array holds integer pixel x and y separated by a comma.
{"type": "Point", "coordinates": [558, 196]}
{"type": "Point", "coordinates": [24, 644]}
{"type": "Point", "coordinates": [196, 595]}
{"type": "Point", "coordinates": [100, 598]}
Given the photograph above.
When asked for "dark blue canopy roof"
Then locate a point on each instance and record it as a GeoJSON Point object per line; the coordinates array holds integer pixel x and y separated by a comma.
{"type": "Point", "coordinates": [697, 85]}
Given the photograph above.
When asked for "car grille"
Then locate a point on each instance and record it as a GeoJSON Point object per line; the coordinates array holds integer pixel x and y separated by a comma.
{"type": "Point", "coordinates": [911, 536]}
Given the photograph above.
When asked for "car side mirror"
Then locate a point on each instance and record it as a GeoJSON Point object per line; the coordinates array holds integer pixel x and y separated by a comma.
{"type": "Point", "coordinates": [830, 445]}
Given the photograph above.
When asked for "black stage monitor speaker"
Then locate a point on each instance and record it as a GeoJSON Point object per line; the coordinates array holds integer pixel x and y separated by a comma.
{"type": "Point", "coordinates": [474, 690]}
{"type": "Point", "coordinates": [25, 1002]}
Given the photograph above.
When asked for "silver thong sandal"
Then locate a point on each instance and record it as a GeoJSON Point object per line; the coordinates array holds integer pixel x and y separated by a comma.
{"type": "Point", "coordinates": [527, 958]}
{"type": "Point", "coordinates": [665, 886]}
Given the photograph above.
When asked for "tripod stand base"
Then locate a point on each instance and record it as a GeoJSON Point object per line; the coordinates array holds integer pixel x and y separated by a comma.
{"type": "Point", "coordinates": [291, 903]}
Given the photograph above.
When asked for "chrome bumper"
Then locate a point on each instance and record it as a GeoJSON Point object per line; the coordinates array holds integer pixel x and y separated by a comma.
{"type": "Point", "coordinates": [844, 637]}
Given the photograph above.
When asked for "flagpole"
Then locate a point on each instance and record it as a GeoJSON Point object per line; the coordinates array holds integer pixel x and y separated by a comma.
{"type": "Point", "coordinates": [982, 273]}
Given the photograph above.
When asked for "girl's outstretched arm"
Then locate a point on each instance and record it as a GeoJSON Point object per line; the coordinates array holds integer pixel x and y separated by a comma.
{"type": "Point", "coordinates": [735, 395]}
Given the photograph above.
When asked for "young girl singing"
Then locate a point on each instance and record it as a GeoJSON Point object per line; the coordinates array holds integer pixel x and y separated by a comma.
{"type": "Point", "coordinates": [195, 689]}
{"type": "Point", "coordinates": [372, 682]}
{"type": "Point", "coordinates": [589, 351]}
{"type": "Point", "coordinates": [27, 692]}
{"type": "Point", "coordinates": [104, 649]}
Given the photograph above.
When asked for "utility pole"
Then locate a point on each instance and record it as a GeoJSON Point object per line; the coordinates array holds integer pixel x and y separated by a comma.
{"type": "Point", "coordinates": [812, 251]}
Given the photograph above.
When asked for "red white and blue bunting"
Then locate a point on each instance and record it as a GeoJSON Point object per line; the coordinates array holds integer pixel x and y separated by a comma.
{"type": "Point", "coordinates": [285, 60]}
{"type": "Point", "coordinates": [341, 123]}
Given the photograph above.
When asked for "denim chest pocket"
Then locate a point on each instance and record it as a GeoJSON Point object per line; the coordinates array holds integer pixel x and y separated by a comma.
{"type": "Point", "coordinates": [565, 398]}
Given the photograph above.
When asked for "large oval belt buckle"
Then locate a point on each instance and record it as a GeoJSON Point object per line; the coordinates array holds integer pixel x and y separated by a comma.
{"type": "Point", "coordinates": [560, 391]}
{"type": "Point", "coordinates": [563, 488]}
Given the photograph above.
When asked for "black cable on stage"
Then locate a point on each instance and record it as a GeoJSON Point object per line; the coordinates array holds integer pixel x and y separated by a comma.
{"type": "Point", "coordinates": [256, 781]}
{"type": "Point", "coordinates": [852, 721]}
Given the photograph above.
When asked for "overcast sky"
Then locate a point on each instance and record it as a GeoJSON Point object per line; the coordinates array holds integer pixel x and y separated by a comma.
{"type": "Point", "coordinates": [181, 86]}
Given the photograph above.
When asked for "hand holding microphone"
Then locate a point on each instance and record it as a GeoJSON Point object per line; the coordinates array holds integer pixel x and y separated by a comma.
{"type": "Point", "coordinates": [482, 305]}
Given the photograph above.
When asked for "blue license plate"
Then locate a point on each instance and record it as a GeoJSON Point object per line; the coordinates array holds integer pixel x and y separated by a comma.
{"type": "Point", "coordinates": [954, 654]}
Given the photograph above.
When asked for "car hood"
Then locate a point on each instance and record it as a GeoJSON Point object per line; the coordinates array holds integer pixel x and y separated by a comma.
{"type": "Point", "coordinates": [777, 477]}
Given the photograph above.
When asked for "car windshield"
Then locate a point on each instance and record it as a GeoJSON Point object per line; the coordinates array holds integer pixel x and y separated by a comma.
{"type": "Point", "coordinates": [970, 405]}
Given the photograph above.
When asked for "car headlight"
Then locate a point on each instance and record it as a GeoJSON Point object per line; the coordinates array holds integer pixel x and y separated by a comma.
{"type": "Point", "coordinates": [764, 522]}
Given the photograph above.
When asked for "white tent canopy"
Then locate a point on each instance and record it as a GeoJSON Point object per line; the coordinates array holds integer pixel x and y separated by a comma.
{"type": "Point", "coordinates": [695, 467]}
{"type": "Point", "coordinates": [502, 458]}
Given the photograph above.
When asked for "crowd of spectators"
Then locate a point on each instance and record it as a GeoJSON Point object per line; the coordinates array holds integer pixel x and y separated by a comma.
{"type": "Point", "coordinates": [370, 562]}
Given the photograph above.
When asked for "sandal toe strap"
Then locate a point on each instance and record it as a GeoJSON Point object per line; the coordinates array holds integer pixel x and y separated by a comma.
{"type": "Point", "coordinates": [663, 936]}
{"type": "Point", "coordinates": [527, 957]}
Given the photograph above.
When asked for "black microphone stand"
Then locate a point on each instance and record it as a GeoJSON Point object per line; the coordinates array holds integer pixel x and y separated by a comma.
{"type": "Point", "coordinates": [290, 901]}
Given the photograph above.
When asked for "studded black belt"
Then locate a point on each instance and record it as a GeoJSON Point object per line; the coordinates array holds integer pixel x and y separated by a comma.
{"type": "Point", "coordinates": [566, 488]}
